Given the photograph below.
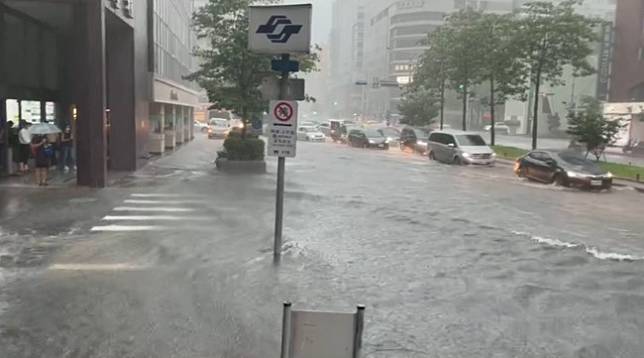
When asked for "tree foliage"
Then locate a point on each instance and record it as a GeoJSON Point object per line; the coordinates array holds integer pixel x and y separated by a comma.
{"type": "Point", "coordinates": [510, 53]}
{"type": "Point", "coordinates": [418, 108]}
{"type": "Point", "coordinates": [553, 36]}
{"type": "Point", "coordinates": [505, 74]}
{"type": "Point", "coordinates": [229, 72]}
{"type": "Point", "coordinates": [590, 127]}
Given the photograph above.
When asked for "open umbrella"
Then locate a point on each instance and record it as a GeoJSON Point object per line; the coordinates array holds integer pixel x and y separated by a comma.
{"type": "Point", "coordinates": [43, 129]}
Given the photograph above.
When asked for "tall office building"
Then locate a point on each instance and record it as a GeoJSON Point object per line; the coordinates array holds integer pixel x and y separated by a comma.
{"type": "Point", "coordinates": [113, 69]}
{"type": "Point", "coordinates": [627, 77]}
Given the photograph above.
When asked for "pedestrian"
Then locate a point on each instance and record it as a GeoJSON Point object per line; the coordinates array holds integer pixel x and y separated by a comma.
{"type": "Point", "coordinates": [24, 137]}
{"type": "Point", "coordinates": [42, 152]}
{"type": "Point", "coordinates": [67, 147]}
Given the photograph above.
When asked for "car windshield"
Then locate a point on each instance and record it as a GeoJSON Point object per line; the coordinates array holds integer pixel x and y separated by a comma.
{"type": "Point", "coordinates": [575, 159]}
{"type": "Point", "coordinates": [219, 122]}
{"type": "Point", "coordinates": [468, 140]}
{"type": "Point", "coordinates": [308, 129]}
{"type": "Point", "coordinates": [390, 132]}
{"type": "Point", "coordinates": [372, 133]}
{"type": "Point", "coordinates": [420, 134]}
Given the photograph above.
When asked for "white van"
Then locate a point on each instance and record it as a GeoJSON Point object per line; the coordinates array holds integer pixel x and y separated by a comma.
{"type": "Point", "coordinates": [460, 147]}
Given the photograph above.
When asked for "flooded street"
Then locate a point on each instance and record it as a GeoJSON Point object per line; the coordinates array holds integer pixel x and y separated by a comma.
{"type": "Point", "coordinates": [176, 261]}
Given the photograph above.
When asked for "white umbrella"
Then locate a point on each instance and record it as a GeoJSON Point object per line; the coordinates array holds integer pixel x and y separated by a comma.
{"type": "Point", "coordinates": [43, 129]}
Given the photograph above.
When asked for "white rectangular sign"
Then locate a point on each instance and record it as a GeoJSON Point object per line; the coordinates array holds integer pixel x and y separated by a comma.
{"type": "Point", "coordinates": [282, 129]}
{"type": "Point", "coordinates": [322, 334]}
{"type": "Point", "coordinates": [280, 29]}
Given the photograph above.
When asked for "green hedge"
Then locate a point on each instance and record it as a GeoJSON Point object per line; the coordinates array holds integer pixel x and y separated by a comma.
{"type": "Point", "coordinates": [238, 148]}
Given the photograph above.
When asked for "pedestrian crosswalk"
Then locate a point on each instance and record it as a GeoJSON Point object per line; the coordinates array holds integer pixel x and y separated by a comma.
{"type": "Point", "coordinates": [155, 212]}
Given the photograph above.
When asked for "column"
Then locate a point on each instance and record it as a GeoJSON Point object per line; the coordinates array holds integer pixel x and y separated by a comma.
{"type": "Point", "coordinates": [91, 133]}
{"type": "Point", "coordinates": [187, 124]}
{"type": "Point", "coordinates": [179, 128]}
{"type": "Point", "coordinates": [156, 138]}
{"type": "Point", "coordinates": [170, 122]}
{"type": "Point", "coordinates": [191, 119]}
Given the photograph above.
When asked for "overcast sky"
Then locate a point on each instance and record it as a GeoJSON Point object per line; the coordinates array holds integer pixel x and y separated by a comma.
{"type": "Point", "coordinates": [321, 18]}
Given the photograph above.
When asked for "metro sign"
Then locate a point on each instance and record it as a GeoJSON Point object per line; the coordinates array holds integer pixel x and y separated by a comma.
{"type": "Point", "coordinates": [282, 29]}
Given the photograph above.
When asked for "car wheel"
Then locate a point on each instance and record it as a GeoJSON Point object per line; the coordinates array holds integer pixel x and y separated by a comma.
{"type": "Point", "coordinates": [522, 173]}
{"type": "Point", "coordinates": [204, 130]}
{"type": "Point", "coordinates": [431, 156]}
{"type": "Point", "coordinates": [386, 147]}
{"type": "Point", "coordinates": [457, 160]}
{"type": "Point", "coordinates": [560, 180]}
{"type": "Point", "coordinates": [402, 146]}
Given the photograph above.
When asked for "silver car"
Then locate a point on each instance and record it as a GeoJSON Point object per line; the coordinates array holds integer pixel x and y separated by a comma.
{"type": "Point", "coordinates": [459, 147]}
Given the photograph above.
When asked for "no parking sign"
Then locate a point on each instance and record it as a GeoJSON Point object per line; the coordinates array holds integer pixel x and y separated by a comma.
{"type": "Point", "coordinates": [282, 138]}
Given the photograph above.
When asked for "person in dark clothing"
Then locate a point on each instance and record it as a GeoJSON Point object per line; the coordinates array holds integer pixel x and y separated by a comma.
{"type": "Point", "coordinates": [25, 139]}
{"type": "Point", "coordinates": [39, 148]}
{"type": "Point", "coordinates": [66, 149]}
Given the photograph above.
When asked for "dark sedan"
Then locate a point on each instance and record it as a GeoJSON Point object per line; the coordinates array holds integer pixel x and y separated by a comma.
{"type": "Point", "coordinates": [414, 139]}
{"type": "Point", "coordinates": [563, 168]}
{"type": "Point", "coordinates": [367, 138]}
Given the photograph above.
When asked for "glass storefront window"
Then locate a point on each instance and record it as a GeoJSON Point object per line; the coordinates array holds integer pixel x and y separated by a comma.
{"type": "Point", "coordinates": [50, 112]}
{"type": "Point", "coordinates": [30, 111]}
{"type": "Point", "coordinates": [13, 111]}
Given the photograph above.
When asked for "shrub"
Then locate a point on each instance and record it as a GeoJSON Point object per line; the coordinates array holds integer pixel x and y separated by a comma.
{"type": "Point", "coordinates": [238, 148]}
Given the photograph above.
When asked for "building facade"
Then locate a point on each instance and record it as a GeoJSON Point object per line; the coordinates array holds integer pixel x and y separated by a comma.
{"type": "Point", "coordinates": [627, 72]}
{"type": "Point", "coordinates": [102, 67]}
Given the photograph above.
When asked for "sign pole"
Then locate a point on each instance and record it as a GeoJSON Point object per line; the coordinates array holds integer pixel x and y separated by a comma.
{"type": "Point", "coordinates": [281, 161]}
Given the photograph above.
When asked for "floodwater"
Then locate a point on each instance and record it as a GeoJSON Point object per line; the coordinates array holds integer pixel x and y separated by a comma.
{"type": "Point", "coordinates": [449, 261]}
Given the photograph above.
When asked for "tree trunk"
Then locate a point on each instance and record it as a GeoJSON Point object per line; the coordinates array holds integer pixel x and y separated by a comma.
{"type": "Point", "coordinates": [465, 106]}
{"type": "Point", "coordinates": [243, 119]}
{"type": "Point", "coordinates": [442, 102]}
{"type": "Point", "coordinates": [535, 112]}
{"type": "Point", "coordinates": [492, 119]}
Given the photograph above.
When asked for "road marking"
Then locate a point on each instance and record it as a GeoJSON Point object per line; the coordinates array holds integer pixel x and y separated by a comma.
{"type": "Point", "coordinates": [162, 202]}
{"type": "Point", "coordinates": [97, 267]}
{"type": "Point", "coordinates": [153, 208]}
{"type": "Point", "coordinates": [158, 195]}
{"type": "Point", "coordinates": [128, 228]}
{"type": "Point", "coordinates": [154, 217]}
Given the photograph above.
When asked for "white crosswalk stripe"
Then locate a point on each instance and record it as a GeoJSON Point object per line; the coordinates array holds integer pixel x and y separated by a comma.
{"type": "Point", "coordinates": [155, 212]}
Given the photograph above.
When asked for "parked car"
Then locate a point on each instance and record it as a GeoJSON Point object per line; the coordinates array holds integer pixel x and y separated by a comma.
{"type": "Point", "coordinates": [392, 134]}
{"type": "Point", "coordinates": [310, 134]}
{"type": "Point", "coordinates": [201, 126]}
{"type": "Point", "coordinates": [498, 128]}
{"type": "Point", "coordinates": [218, 128]}
{"type": "Point", "coordinates": [414, 138]}
{"type": "Point", "coordinates": [566, 168]}
{"type": "Point", "coordinates": [367, 138]}
{"type": "Point", "coordinates": [460, 147]}
{"type": "Point", "coordinates": [325, 128]}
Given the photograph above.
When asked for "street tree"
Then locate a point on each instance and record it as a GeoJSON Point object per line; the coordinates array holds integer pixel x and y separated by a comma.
{"type": "Point", "coordinates": [229, 72]}
{"type": "Point", "coordinates": [553, 35]}
{"type": "Point", "coordinates": [501, 67]}
{"type": "Point", "coordinates": [464, 56]}
{"type": "Point", "coordinates": [431, 73]}
{"type": "Point", "coordinates": [590, 127]}
{"type": "Point", "coordinates": [418, 107]}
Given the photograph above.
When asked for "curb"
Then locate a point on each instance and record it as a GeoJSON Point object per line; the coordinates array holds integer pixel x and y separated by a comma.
{"type": "Point", "coordinates": [620, 182]}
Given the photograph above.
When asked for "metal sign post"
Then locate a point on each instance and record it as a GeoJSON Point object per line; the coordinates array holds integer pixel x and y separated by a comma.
{"type": "Point", "coordinates": [281, 163]}
{"type": "Point", "coordinates": [281, 30]}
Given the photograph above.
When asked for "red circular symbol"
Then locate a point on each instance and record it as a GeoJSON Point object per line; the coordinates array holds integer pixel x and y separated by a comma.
{"type": "Point", "coordinates": [283, 111]}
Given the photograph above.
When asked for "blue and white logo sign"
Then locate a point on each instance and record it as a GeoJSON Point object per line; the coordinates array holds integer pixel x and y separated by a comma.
{"type": "Point", "coordinates": [280, 29]}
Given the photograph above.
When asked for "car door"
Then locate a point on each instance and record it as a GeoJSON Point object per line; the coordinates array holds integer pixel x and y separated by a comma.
{"type": "Point", "coordinates": [535, 166]}
{"type": "Point", "coordinates": [450, 147]}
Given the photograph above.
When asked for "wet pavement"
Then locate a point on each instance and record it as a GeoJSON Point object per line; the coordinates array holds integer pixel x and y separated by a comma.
{"type": "Point", "coordinates": [176, 260]}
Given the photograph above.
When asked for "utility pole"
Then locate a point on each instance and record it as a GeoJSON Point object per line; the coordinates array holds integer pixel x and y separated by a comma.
{"type": "Point", "coordinates": [281, 164]}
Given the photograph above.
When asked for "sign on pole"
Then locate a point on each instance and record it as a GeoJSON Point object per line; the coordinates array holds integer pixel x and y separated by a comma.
{"type": "Point", "coordinates": [270, 89]}
{"type": "Point", "coordinates": [283, 129]}
{"type": "Point", "coordinates": [280, 29]}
